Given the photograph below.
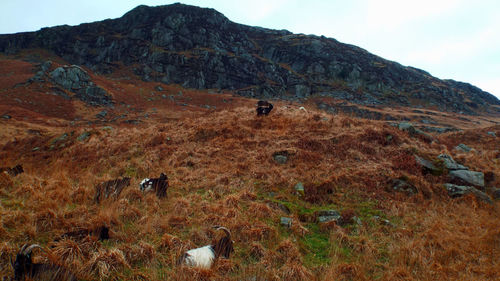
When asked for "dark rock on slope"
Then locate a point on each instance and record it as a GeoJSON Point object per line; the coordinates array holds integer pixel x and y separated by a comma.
{"type": "Point", "coordinates": [201, 48]}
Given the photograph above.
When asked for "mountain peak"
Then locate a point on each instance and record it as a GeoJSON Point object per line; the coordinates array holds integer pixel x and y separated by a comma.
{"type": "Point", "coordinates": [201, 48]}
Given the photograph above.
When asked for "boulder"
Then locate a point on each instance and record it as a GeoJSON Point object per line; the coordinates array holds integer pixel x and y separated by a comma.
{"type": "Point", "coordinates": [75, 79]}
{"type": "Point", "coordinates": [450, 164]}
{"type": "Point", "coordinates": [468, 177]}
{"type": "Point", "coordinates": [460, 190]}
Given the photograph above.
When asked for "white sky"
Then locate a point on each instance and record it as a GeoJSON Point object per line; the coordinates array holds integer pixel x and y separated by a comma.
{"type": "Point", "coordinates": [451, 39]}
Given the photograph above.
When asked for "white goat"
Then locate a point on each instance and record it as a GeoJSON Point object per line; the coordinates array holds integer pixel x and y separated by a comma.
{"type": "Point", "coordinates": [204, 257]}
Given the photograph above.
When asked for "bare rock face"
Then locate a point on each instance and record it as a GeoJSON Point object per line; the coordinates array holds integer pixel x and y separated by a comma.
{"type": "Point", "coordinates": [201, 48]}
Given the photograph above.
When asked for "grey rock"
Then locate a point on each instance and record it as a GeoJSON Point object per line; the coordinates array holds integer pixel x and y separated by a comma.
{"type": "Point", "coordinates": [403, 186]}
{"type": "Point", "coordinates": [299, 187]}
{"type": "Point", "coordinates": [6, 116]}
{"type": "Point", "coordinates": [460, 190]}
{"type": "Point", "coordinates": [406, 126]}
{"type": "Point", "coordinates": [61, 138]}
{"type": "Point", "coordinates": [468, 177]}
{"type": "Point", "coordinates": [280, 159]}
{"type": "Point", "coordinates": [492, 134]}
{"type": "Point", "coordinates": [102, 114]}
{"type": "Point", "coordinates": [328, 216]}
{"type": "Point", "coordinates": [426, 164]}
{"type": "Point", "coordinates": [286, 221]}
{"type": "Point", "coordinates": [450, 164]}
{"type": "Point", "coordinates": [77, 80]}
{"type": "Point", "coordinates": [70, 78]}
{"type": "Point", "coordinates": [84, 136]}
{"type": "Point", "coordinates": [462, 147]}
{"type": "Point", "coordinates": [46, 66]}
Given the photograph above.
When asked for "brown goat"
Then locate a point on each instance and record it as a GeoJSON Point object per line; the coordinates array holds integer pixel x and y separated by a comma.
{"type": "Point", "coordinates": [25, 269]}
{"type": "Point", "coordinates": [111, 188]}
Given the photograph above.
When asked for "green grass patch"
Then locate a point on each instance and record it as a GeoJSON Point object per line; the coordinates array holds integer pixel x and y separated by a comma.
{"type": "Point", "coordinates": [317, 247]}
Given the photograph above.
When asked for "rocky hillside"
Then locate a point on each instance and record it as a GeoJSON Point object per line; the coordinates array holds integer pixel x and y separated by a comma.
{"type": "Point", "coordinates": [202, 49]}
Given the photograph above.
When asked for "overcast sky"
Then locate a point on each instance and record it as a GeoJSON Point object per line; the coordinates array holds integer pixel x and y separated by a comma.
{"type": "Point", "coordinates": [451, 39]}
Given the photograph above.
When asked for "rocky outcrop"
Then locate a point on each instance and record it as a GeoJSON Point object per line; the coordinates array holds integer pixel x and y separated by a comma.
{"type": "Point", "coordinates": [202, 49]}
{"type": "Point", "coordinates": [77, 80]}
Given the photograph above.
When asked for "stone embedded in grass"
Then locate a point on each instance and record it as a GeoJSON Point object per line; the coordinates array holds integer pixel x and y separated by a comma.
{"type": "Point", "coordinates": [460, 190]}
{"type": "Point", "coordinates": [299, 187]}
{"type": "Point", "coordinates": [280, 159]}
{"type": "Point", "coordinates": [462, 147]}
{"type": "Point", "coordinates": [102, 114]}
{"type": "Point", "coordinates": [83, 136]}
{"type": "Point", "coordinates": [468, 177]}
{"type": "Point", "coordinates": [60, 138]}
{"type": "Point", "coordinates": [328, 216]}
{"type": "Point", "coordinates": [286, 221]}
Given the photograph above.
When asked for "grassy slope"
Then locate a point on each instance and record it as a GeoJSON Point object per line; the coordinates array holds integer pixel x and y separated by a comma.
{"type": "Point", "coordinates": [221, 170]}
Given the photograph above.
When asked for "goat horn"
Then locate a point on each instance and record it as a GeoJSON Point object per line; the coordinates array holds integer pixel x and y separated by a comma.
{"type": "Point", "coordinates": [228, 233]}
{"type": "Point", "coordinates": [22, 248]}
{"type": "Point", "coordinates": [30, 248]}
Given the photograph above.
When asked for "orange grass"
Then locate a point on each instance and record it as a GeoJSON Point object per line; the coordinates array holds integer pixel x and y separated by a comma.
{"type": "Point", "coordinates": [222, 172]}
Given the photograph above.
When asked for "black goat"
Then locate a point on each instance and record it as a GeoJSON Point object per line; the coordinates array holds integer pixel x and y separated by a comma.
{"type": "Point", "coordinates": [264, 107]}
{"type": "Point", "coordinates": [159, 185]}
{"type": "Point", "coordinates": [18, 169]}
{"type": "Point", "coordinates": [24, 268]}
{"type": "Point", "coordinates": [110, 188]}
